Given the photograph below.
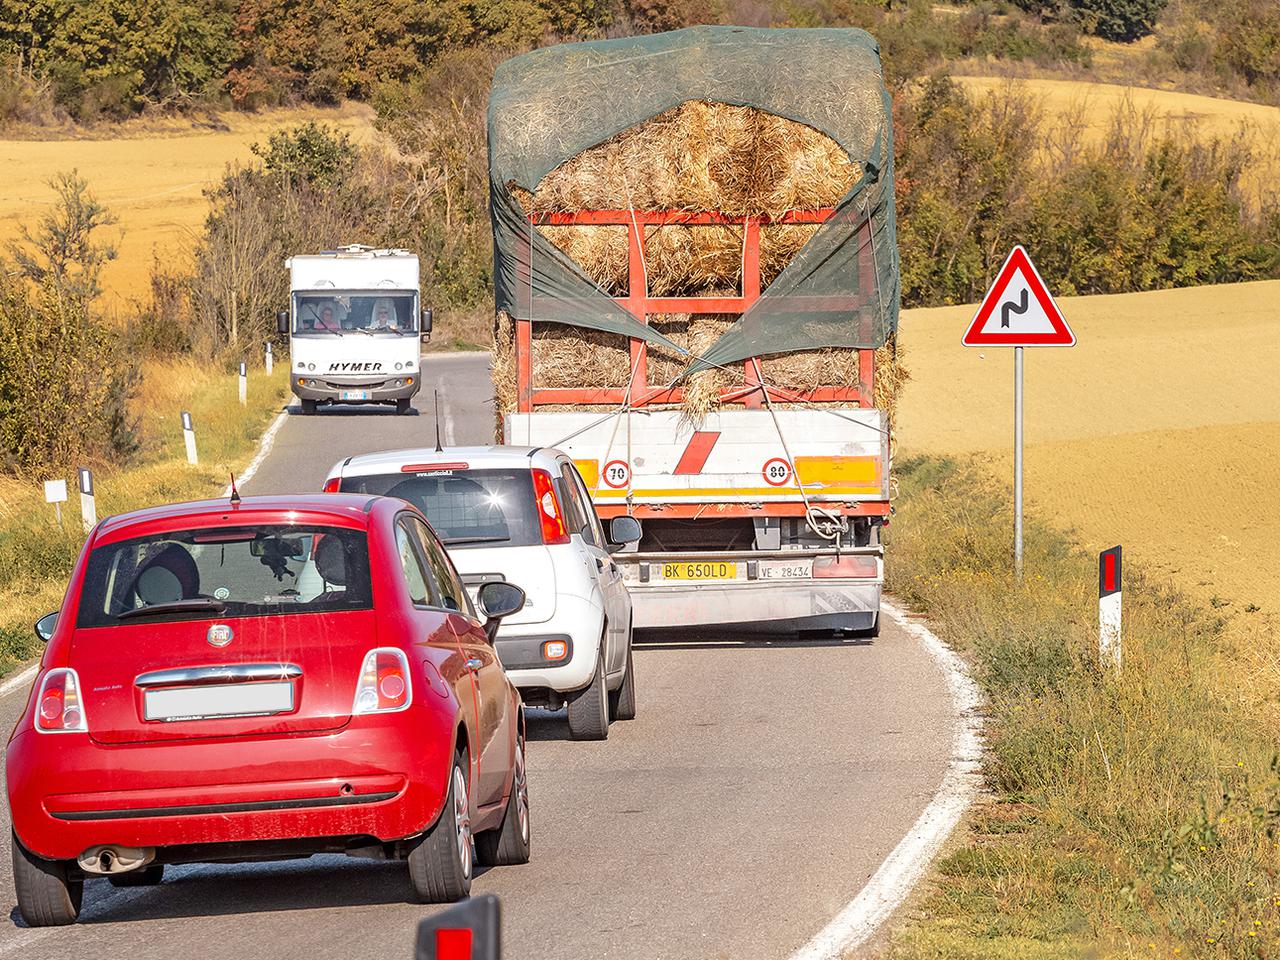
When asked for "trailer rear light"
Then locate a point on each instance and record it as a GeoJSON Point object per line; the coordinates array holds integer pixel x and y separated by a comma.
{"type": "Point", "coordinates": [333, 485]}
{"type": "Point", "coordinates": [553, 529]}
{"type": "Point", "coordinates": [384, 682]}
{"type": "Point", "coordinates": [555, 650]}
{"type": "Point", "coordinates": [59, 708]}
{"type": "Point", "coordinates": [850, 565]}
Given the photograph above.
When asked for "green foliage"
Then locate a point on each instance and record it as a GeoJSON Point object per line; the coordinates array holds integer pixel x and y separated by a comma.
{"type": "Point", "coordinates": [1122, 20]}
{"type": "Point", "coordinates": [313, 153]}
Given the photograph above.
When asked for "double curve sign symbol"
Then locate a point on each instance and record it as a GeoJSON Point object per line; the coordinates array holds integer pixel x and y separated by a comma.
{"type": "Point", "coordinates": [1008, 308]}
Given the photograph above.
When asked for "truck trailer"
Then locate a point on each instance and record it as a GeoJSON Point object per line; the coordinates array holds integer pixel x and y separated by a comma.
{"type": "Point", "coordinates": [762, 505]}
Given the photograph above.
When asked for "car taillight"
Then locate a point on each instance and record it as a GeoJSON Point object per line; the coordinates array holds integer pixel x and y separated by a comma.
{"type": "Point", "coordinates": [332, 484]}
{"type": "Point", "coordinates": [553, 529]}
{"type": "Point", "coordinates": [384, 685]}
{"type": "Point", "coordinates": [850, 565]}
{"type": "Point", "coordinates": [59, 708]}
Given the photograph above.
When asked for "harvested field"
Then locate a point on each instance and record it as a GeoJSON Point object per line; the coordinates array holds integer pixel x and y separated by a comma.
{"type": "Point", "coordinates": [1121, 443]}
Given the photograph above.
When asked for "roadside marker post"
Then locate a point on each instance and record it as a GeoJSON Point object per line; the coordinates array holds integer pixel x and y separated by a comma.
{"type": "Point", "coordinates": [470, 930]}
{"type": "Point", "coordinates": [244, 384]}
{"type": "Point", "coordinates": [88, 504]}
{"type": "Point", "coordinates": [189, 435]}
{"type": "Point", "coordinates": [269, 359]}
{"type": "Point", "coordinates": [1018, 311]}
{"type": "Point", "coordinates": [55, 492]}
{"type": "Point", "coordinates": [1110, 653]}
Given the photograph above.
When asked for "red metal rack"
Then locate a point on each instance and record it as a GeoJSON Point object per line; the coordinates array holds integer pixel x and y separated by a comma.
{"type": "Point", "coordinates": [748, 393]}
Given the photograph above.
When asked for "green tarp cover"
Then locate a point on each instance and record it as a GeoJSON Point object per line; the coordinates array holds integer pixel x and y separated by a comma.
{"type": "Point", "coordinates": [549, 105]}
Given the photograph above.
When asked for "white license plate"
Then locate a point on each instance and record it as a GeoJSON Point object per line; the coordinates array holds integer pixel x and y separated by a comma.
{"type": "Point", "coordinates": [218, 700]}
{"type": "Point", "coordinates": [787, 571]}
{"type": "Point", "coordinates": [355, 394]}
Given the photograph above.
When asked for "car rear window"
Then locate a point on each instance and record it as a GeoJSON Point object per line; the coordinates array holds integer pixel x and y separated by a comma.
{"type": "Point", "coordinates": [226, 572]}
{"type": "Point", "coordinates": [467, 508]}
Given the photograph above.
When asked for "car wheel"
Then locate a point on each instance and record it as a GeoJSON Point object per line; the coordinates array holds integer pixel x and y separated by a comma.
{"type": "Point", "coordinates": [308, 408]}
{"type": "Point", "coordinates": [403, 407]}
{"type": "Point", "coordinates": [622, 702]}
{"type": "Point", "coordinates": [440, 865]}
{"type": "Point", "coordinates": [589, 707]}
{"type": "Point", "coordinates": [146, 877]}
{"type": "Point", "coordinates": [47, 897]}
{"type": "Point", "coordinates": [509, 843]}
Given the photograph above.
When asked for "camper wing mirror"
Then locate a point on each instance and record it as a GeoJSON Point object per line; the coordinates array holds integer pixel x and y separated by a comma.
{"type": "Point", "coordinates": [426, 324]}
{"type": "Point", "coordinates": [282, 321]}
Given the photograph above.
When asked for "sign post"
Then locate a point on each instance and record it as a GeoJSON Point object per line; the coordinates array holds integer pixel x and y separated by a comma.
{"type": "Point", "coordinates": [88, 505]}
{"type": "Point", "coordinates": [1109, 594]}
{"type": "Point", "coordinates": [55, 492]}
{"type": "Point", "coordinates": [189, 435]}
{"type": "Point", "coordinates": [1018, 312]}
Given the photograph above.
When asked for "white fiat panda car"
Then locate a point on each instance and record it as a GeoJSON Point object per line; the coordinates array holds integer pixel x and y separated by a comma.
{"type": "Point", "coordinates": [523, 515]}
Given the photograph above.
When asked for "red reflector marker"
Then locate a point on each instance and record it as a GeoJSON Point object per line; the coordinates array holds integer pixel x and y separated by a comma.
{"type": "Point", "coordinates": [850, 565]}
{"type": "Point", "coordinates": [453, 944]}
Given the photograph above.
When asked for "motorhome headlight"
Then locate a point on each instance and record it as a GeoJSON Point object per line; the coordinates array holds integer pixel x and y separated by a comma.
{"type": "Point", "coordinates": [311, 366]}
{"type": "Point", "coordinates": [399, 366]}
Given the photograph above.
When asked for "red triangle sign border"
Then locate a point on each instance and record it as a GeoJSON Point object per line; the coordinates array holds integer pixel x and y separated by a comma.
{"type": "Point", "coordinates": [1018, 261]}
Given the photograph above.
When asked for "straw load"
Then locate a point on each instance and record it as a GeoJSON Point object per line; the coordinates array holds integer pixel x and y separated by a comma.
{"type": "Point", "coordinates": [698, 156]}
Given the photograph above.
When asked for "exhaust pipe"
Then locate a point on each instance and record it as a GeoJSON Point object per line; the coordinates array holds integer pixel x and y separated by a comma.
{"type": "Point", "coordinates": [107, 860]}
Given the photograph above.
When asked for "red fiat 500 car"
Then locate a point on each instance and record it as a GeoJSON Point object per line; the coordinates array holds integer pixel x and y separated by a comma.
{"type": "Point", "coordinates": [266, 678]}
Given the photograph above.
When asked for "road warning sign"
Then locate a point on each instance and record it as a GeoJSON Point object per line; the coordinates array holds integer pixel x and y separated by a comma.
{"type": "Point", "coordinates": [1018, 310]}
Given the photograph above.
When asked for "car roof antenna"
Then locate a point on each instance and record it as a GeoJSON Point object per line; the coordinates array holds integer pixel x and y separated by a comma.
{"type": "Point", "coordinates": [439, 449]}
{"type": "Point", "coordinates": [235, 494]}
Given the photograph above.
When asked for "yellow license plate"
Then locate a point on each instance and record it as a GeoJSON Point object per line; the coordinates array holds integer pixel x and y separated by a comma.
{"type": "Point", "coordinates": [718, 570]}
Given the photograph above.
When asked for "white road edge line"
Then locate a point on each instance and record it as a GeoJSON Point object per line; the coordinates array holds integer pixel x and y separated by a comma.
{"type": "Point", "coordinates": [264, 448]}
{"type": "Point", "coordinates": [19, 679]}
{"type": "Point", "coordinates": [863, 916]}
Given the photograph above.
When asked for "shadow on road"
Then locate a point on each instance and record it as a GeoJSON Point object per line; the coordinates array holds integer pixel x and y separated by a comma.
{"type": "Point", "coordinates": [668, 639]}
{"type": "Point", "coordinates": [348, 410]}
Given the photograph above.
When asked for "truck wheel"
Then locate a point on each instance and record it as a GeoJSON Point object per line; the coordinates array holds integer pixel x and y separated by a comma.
{"type": "Point", "coordinates": [589, 707]}
{"type": "Point", "coordinates": [47, 897]}
{"type": "Point", "coordinates": [509, 843]}
{"type": "Point", "coordinates": [308, 408]}
{"type": "Point", "coordinates": [146, 877]}
{"type": "Point", "coordinates": [440, 865]}
{"type": "Point", "coordinates": [622, 702]}
{"type": "Point", "coordinates": [403, 407]}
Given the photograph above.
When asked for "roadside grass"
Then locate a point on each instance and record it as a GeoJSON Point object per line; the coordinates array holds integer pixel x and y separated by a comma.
{"type": "Point", "coordinates": [1127, 815]}
{"type": "Point", "coordinates": [36, 555]}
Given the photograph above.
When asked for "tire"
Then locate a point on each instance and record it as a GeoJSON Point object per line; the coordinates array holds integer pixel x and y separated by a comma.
{"type": "Point", "coordinates": [47, 896]}
{"type": "Point", "coordinates": [146, 877]}
{"type": "Point", "coordinates": [589, 707]}
{"type": "Point", "coordinates": [403, 407]}
{"type": "Point", "coordinates": [308, 408]}
{"type": "Point", "coordinates": [440, 866]}
{"type": "Point", "coordinates": [509, 844]}
{"type": "Point", "coordinates": [622, 702]}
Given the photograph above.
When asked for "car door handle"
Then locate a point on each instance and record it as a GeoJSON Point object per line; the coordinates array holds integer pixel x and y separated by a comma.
{"type": "Point", "coordinates": [475, 663]}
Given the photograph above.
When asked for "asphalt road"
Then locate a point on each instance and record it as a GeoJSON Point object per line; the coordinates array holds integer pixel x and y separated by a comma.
{"type": "Point", "coordinates": [761, 785]}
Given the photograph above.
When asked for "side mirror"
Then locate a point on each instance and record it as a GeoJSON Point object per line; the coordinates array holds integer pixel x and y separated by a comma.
{"type": "Point", "coordinates": [282, 321]}
{"type": "Point", "coordinates": [623, 530]}
{"type": "Point", "coordinates": [426, 324]}
{"type": "Point", "coordinates": [46, 625]}
{"type": "Point", "coordinates": [499, 599]}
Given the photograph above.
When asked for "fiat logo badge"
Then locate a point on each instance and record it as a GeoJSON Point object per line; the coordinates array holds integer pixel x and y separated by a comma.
{"type": "Point", "coordinates": [219, 635]}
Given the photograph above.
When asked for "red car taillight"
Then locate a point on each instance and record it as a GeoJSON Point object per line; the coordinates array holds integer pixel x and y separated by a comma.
{"type": "Point", "coordinates": [850, 565]}
{"type": "Point", "coordinates": [332, 484]}
{"type": "Point", "coordinates": [384, 685]}
{"type": "Point", "coordinates": [553, 529]}
{"type": "Point", "coordinates": [59, 708]}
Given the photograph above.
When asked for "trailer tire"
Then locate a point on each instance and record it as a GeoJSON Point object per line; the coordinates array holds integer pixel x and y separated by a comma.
{"type": "Point", "coordinates": [589, 707]}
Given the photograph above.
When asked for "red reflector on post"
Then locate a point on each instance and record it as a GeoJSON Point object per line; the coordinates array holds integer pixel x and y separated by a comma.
{"type": "Point", "coordinates": [850, 565]}
{"type": "Point", "coordinates": [453, 944]}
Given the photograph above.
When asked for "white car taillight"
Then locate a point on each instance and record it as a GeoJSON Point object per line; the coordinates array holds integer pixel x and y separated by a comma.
{"type": "Point", "coordinates": [59, 708]}
{"type": "Point", "coordinates": [384, 685]}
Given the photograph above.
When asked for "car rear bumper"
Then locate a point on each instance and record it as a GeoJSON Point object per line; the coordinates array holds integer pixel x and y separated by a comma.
{"type": "Point", "coordinates": [765, 606]}
{"type": "Point", "coordinates": [67, 793]}
{"type": "Point", "coordinates": [578, 621]}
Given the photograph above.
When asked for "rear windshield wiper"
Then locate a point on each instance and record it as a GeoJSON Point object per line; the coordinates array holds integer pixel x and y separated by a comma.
{"type": "Point", "coordinates": [451, 541]}
{"type": "Point", "coordinates": [194, 605]}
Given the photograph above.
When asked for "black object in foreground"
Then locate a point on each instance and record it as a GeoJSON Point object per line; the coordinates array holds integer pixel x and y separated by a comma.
{"type": "Point", "coordinates": [470, 930]}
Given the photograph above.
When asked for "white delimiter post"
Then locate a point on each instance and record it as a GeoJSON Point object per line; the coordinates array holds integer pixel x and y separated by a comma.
{"type": "Point", "coordinates": [189, 435]}
{"type": "Point", "coordinates": [244, 384]}
{"type": "Point", "coordinates": [88, 504]}
{"type": "Point", "coordinates": [1017, 462]}
{"type": "Point", "coordinates": [1109, 608]}
{"type": "Point", "coordinates": [269, 359]}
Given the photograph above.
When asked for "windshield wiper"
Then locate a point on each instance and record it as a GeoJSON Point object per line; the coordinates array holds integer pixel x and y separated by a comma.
{"type": "Point", "coordinates": [194, 605]}
{"type": "Point", "coordinates": [449, 541]}
{"type": "Point", "coordinates": [316, 317]}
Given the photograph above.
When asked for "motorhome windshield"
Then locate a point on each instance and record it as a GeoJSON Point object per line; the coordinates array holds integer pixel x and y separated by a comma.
{"type": "Point", "coordinates": [337, 314]}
